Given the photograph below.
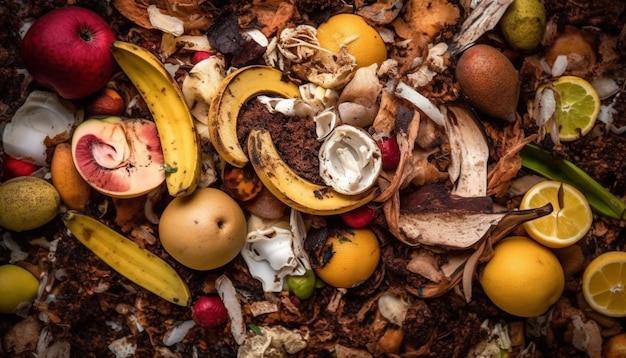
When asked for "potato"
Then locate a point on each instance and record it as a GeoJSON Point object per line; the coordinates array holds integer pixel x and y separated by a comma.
{"type": "Point", "coordinates": [27, 203]}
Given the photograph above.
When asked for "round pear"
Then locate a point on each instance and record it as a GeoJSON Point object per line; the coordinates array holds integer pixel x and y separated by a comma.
{"type": "Point", "coordinates": [204, 230]}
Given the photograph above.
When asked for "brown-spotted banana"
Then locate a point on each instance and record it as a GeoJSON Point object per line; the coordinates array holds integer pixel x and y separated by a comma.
{"type": "Point", "coordinates": [292, 189]}
{"type": "Point", "coordinates": [237, 88]}
{"type": "Point", "coordinates": [128, 259]}
{"type": "Point", "coordinates": [179, 142]}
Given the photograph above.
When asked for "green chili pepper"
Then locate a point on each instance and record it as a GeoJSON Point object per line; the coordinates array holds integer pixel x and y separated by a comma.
{"type": "Point", "coordinates": [302, 286]}
{"type": "Point", "coordinates": [600, 199]}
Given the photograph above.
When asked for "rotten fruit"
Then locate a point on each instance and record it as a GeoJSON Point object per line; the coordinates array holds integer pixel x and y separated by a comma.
{"type": "Point", "coordinates": [120, 157]}
{"type": "Point", "coordinates": [348, 257]}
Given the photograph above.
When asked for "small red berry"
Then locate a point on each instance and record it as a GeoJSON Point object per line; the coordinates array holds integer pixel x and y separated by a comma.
{"type": "Point", "coordinates": [13, 167]}
{"type": "Point", "coordinates": [199, 56]}
{"type": "Point", "coordinates": [390, 152]}
{"type": "Point", "coordinates": [360, 217]}
{"type": "Point", "coordinates": [209, 311]}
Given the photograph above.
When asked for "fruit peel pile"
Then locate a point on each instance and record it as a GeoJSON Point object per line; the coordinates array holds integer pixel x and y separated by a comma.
{"type": "Point", "coordinates": [425, 124]}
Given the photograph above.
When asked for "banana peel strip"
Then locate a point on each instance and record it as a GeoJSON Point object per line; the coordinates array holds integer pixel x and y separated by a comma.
{"type": "Point", "coordinates": [131, 261]}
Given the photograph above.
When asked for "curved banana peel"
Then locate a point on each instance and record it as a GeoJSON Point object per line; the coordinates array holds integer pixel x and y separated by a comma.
{"type": "Point", "coordinates": [170, 113]}
{"type": "Point", "coordinates": [292, 189]}
{"type": "Point", "coordinates": [127, 258]}
{"type": "Point", "coordinates": [234, 91]}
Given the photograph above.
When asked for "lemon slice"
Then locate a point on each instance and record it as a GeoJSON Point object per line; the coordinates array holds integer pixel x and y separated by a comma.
{"type": "Point", "coordinates": [603, 284]}
{"type": "Point", "coordinates": [577, 109]}
{"type": "Point", "coordinates": [570, 219]}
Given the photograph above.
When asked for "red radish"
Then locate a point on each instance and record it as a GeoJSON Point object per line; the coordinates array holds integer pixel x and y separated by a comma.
{"type": "Point", "coordinates": [209, 312]}
{"type": "Point", "coordinates": [199, 56]}
{"type": "Point", "coordinates": [360, 217]}
{"type": "Point", "coordinates": [390, 151]}
{"type": "Point", "coordinates": [13, 167]}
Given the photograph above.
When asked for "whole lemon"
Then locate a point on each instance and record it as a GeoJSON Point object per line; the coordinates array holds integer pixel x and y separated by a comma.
{"type": "Point", "coordinates": [360, 39]}
{"type": "Point", "coordinates": [27, 203]}
{"type": "Point", "coordinates": [204, 230]}
{"type": "Point", "coordinates": [523, 24]}
{"type": "Point", "coordinates": [17, 285]}
{"type": "Point", "coordinates": [348, 257]}
{"type": "Point", "coordinates": [523, 277]}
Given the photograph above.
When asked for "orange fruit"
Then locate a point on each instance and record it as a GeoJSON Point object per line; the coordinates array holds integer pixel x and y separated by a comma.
{"type": "Point", "coordinates": [604, 282]}
{"type": "Point", "coordinates": [523, 277]}
{"type": "Point", "coordinates": [348, 258]}
{"type": "Point", "coordinates": [360, 39]}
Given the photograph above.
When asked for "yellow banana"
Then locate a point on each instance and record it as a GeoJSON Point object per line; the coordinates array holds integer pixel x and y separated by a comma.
{"type": "Point", "coordinates": [169, 110]}
{"type": "Point", "coordinates": [237, 88]}
{"type": "Point", "coordinates": [292, 189]}
{"type": "Point", "coordinates": [127, 258]}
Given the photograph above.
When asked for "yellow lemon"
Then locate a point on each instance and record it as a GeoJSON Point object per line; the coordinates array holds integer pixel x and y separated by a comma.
{"type": "Point", "coordinates": [348, 258]}
{"type": "Point", "coordinates": [17, 285]}
{"type": "Point", "coordinates": [577, 107]}
{"type": "Point", "coordinates": [604, 282]}
{"type": "Point", "coordinates": [570, 219]}
{"type": "Point", "coordinates": [360, 39]}
{"type": "Point", "coordinates": [523, 277]}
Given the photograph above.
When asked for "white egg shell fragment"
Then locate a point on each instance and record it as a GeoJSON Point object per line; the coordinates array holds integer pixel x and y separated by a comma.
{"type": "Point", "coordinates": [318, 97]}
{"type": "Point", "coordinates": [325, 122]}
{"type": "Point", "coordinates": [43, 117]}
{"type": "Point", "coordinates": [200, 86]}
{"type": "Point", "coordinates": [274, 250]}
{"type": "Point", "coordinates": [287, 106]}
{"type": "Point", "coordinates": [350, 160]}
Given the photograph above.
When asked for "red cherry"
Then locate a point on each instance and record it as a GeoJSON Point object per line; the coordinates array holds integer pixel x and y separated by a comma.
{"type": "Point", "coordinates": [17, 168]}
{"type": "Point", "coordinates": [209, 311]}
{"type": "Point", "coordinates": [390, 152]}
{"type": "Point", "coordinates": [199, 56]}
{"type": "Point", "coordinates": [360, 217]}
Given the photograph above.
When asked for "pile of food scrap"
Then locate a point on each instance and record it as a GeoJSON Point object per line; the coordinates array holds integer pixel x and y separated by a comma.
{"type": "Point", "coordinates": [400, 178]}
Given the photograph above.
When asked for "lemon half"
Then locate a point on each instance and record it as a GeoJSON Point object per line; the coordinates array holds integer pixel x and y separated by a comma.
{"type": "Point", "coordinates": [570, 219]}
{"type": "Point", "coordinates": [578, 107]}
{"type": "Point", "coordinates": [604, 282]}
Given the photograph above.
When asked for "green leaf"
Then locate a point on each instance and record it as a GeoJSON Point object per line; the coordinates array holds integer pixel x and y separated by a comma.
{"type": "Point", "coordinates": [600, 199]}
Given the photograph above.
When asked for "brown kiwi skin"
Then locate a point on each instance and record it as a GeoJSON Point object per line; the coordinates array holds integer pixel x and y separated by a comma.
{"type": "Point", "coordinates": [489, 81]}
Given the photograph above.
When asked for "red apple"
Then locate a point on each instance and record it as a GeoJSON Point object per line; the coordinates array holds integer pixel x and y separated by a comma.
{"type": "Point", "coordinates": [68, 50]}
